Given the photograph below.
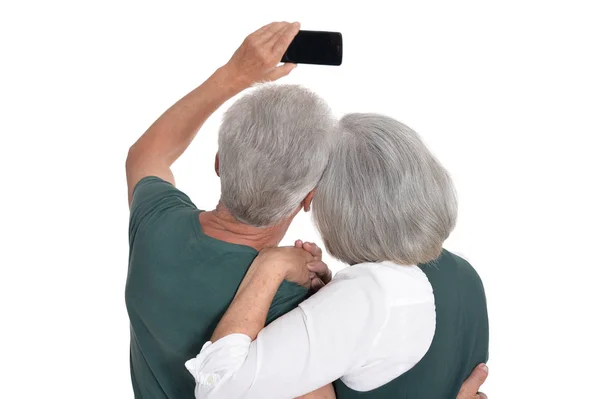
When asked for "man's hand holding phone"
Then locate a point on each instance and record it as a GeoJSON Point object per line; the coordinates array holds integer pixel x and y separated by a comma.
{"type": "Point", "coordinates": [258, 57]}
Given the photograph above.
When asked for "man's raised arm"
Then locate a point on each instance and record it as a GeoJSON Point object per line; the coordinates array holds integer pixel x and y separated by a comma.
{"type": "Point", "coordinates": [254, 61]}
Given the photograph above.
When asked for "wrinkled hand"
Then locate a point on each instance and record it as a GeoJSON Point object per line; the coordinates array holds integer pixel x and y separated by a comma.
{"type": "Point", "coordinates": [288, 262]}
{"type": "Point", "coordinates": [470, 388]}
{"type": "Point", "coordinates": [319, 271]}
{"type": "Point", "coordinates": [257, 58]}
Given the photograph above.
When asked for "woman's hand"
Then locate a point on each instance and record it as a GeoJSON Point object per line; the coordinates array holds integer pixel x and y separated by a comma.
{"type": "Point", "coordinates": [248, 311]}
{"type": "Point", "coordinates": [301, 264]}
{"type": "Point", "coordinates": [257, 59]}
{"type": "Point", "coordinates": [320, 273]}
{"type": "Point", "coordinates": [288, 262]}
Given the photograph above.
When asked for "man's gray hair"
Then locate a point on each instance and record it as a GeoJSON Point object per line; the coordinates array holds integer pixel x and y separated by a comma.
{"type": "Point", "coordinates": [274, 143]}
{"type": "Point", "coordinates": [383, 196]}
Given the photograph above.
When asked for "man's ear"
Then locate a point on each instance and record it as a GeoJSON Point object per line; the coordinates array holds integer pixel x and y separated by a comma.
{"type": "Point", "coordinates": [308, 200]}
{"type": "Point", "coordinates": [217, 165]}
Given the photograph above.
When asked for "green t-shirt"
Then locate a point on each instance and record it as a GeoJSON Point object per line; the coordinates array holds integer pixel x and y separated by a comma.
{"type": "Point", "coordinates": [179, 284]}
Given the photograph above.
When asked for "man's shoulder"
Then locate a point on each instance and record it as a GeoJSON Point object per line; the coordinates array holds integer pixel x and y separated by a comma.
{"type": "Point", "coordinates": [452, 269]}
{"type": "Point", "coordinates": [461, 263]}
{"type": "Point", "coordinates": [154, 190]}
{"type": "Point", "coordinates": [448, 260]}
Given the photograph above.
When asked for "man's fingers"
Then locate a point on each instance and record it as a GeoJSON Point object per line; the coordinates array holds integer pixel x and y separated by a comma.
{"type": "Point", "coordinates": [480, 374]}
{"type": "Point", "coordinates": [298, 244]}
{"type": "Point", "coordinates": [481, 395]}
{"type": "Point", "coordinates": [277, 34]}
{"type": "Point", "coordinates": [262, 30]}
{"type": "Point", "coordinates": [282, 41]}
{"type": "Point", "coordinates": [281, 71]}
{"type": "Point", "coordinates": [266, 32]}
{"type": "Point", "coordinates": [471, 386]}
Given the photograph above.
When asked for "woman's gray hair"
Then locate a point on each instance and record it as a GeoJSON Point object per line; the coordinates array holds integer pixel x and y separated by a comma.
{"type": "Point", "coordinates": [274, 143]}
{"type": "Point", "coordinates": [383, 195]}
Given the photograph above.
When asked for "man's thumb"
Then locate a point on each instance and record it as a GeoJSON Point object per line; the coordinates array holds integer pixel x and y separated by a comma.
{"type": "Point", "coordinates": [480, 373]}
{"type": "Point", "coordinates": [472, 384]}
{"type": "Point", "coordinates": [281, 71]}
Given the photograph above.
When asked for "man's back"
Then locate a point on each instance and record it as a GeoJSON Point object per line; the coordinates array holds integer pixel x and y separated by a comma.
{"type": "Point", "coordinates": [179, 284]}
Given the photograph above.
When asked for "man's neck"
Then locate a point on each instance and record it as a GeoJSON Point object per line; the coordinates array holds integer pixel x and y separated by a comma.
{"type": "Point", "coordinates": [222, 225]}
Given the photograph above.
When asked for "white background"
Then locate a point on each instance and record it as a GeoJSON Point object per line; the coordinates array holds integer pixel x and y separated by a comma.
{"type": "Point", "coordinates": [507, 94]}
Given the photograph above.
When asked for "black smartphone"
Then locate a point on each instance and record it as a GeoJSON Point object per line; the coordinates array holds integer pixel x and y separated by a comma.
{"type": "Point", "coordinates": [315, 47]}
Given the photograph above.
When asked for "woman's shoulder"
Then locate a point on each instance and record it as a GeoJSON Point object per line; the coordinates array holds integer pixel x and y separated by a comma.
{"type": "Point", "coordinates": [408, 330]}
{"type": "Point", "coordinates": [377, 289]}
{"type": "Point", "coordinates": [397, 283]}
{"type": "Point", "coordinates": [355, 291]}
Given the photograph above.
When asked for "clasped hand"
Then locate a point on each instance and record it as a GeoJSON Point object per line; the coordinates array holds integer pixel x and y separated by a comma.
{"type": "Point", "coordinates": [301, 264]}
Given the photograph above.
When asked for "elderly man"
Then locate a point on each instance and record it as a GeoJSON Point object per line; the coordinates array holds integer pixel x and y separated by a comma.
{"type": "Point", "coordinates": [185, 265]}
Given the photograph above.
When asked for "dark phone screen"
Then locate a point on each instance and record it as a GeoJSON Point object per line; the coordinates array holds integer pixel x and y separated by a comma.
{"type": "Point", "coordinates": [313, 47]}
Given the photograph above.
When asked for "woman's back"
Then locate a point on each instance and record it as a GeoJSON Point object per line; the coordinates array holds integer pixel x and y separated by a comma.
{"type": "Point", "coordinates": [460, 341]}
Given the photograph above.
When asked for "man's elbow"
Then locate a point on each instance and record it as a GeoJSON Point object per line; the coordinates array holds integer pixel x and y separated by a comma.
{"type": "Point", "coordinates": [132, 157]}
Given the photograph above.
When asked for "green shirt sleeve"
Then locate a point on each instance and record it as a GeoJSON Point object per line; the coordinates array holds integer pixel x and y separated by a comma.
{"type": "Point", "coordinates": [152, 198]}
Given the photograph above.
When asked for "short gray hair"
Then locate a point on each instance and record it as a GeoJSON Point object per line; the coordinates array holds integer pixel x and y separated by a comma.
{"type": "Point", "coordinates": [274, 143]}
{"type": "Point", "coordinates": [383, 196]}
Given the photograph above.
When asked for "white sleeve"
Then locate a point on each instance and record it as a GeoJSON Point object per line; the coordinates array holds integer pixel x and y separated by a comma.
{"type": "Point", "coordinates": [327, 336]}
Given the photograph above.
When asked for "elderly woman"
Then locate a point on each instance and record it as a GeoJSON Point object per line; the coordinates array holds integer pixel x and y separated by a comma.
{"type": "Point", "coordinates": [408, 319]}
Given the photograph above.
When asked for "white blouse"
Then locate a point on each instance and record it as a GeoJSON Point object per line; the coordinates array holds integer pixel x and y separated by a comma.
{"type": "Point", "coordinates": [370, 324]}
